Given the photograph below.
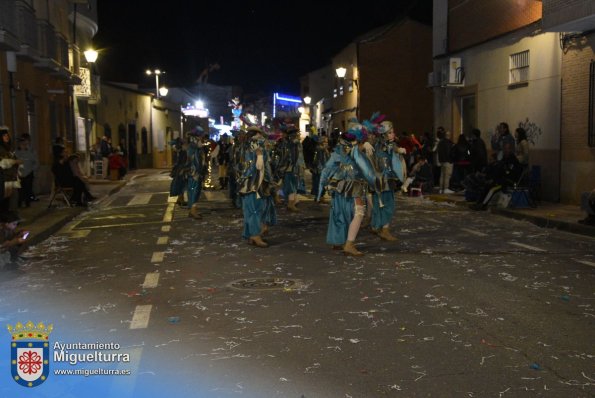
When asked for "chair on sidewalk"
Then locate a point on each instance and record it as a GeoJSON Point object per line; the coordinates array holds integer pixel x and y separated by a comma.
{"type": "Point", "coordinates": [62, 192]}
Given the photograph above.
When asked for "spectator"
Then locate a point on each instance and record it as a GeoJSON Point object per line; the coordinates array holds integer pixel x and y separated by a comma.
{"type": "Point", "coordinates": [502, 138]}
{"type": "Point", "coordinates": [26, 170]}
{"type": "Point", "coordinates": [479, 153]}
{"type": "Point", "coordinates": [11, 239]}
{"type": "Point", "coordinates": [105, 150]}
{"type": "Point", "coordinates": [499, 175]}
{"type": "Point", "coordinates": [445, 159]}
{"type": "Point", "coordinates": [461, 161]}
{"type": "Point", "coordinates": [67, 173]}
{"type": "Point", "coordinates": [9, 165]}
{"type": "Point", "coordinates": [436, 162]}
{"type": "Point", "coordinates": [117, 162]}
{"type": "Point", "coordinates": [522, 147]}
{"type": "Point", "coordinates": [588, 206]}
{"type": "Point", "coordinates": [420, 175]}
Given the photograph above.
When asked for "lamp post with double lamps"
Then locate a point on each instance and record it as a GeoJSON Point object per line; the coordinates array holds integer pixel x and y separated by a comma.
{"type": "Point", "coordinates": [159, 91]}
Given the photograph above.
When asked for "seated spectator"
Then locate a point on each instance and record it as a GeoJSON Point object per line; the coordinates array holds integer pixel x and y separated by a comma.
{"type": "Point", "coordinates": [117, 162]}
{"type": "Point", "coordinates": [420, 175]}
{"type": "Point", "coordinates": [588, 206]}
{"type": "Point", "coordinates": [11, 239]}
{"type": "Point", "coordinates": [67, 174]}
{"type": "Point", "coordinates": [498, 176]}
{"type": "Point", "coordinates": [26, 170]}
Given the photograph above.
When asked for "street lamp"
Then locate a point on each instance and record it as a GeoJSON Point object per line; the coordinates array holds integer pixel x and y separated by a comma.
{"type": "Point", "coordinates": [156, 72]}
{"type": "Point", "coordinates": [91, 55]}
{"type": "Point", "coordinates": [307, 100]}
{"type": "Point", "coordinates": [163, 91]}
{"type": "Point", "coordinates": [341, 72]}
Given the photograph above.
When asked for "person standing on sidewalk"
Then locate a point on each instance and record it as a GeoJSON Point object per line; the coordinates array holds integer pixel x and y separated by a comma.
{"type": "Point", "coordinates": [105, 150]}
{"type": "Point", "coordinates": [26, 170]}
{"type": "Point", "coordinates": [9, 165]}
{"type": "Point", "coordinates": [348, 174]}
{"type": "Point", "coordinates": [445, 159]}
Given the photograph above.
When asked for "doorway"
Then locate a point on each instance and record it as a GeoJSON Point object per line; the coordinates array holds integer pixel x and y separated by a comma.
{"type": "Point", "coordinates": [468, 114]}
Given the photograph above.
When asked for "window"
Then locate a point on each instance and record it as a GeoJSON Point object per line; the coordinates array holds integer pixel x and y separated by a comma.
{"type": "Point", "coordinates": [519, 68]}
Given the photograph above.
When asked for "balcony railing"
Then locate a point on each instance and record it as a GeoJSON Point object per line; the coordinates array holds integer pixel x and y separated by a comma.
{"type": "Point", "coordinates": [7, 16]}
{"type": "Point", "coordinates": [26, 24]}
{"type": "Point", "coordinates": [62, 47]}
{"type": "Point", "coordinates": [48, 40]}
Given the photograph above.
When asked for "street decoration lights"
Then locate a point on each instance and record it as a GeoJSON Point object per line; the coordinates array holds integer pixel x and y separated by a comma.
{"type": "Point", "coordinates": [236, 111]}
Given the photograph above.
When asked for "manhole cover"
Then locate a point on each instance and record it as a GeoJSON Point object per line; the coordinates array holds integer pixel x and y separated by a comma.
{"type": "Point", "coordinates": [263, 284]}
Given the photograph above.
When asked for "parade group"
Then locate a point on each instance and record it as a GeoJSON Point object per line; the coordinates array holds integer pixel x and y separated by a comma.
{"type": "Point", "coordinates": [362, 170]}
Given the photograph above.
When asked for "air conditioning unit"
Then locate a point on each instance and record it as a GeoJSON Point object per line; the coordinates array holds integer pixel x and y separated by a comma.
{"type": "Point", "coordinates": [456, 73]}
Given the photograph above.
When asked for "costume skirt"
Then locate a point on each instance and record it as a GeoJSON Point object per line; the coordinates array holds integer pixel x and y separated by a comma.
{"type": "Point", "coordinates": [381, 216]}
{"type": "Point", "coordinates": [252, 209]}
{"type": "Point", "coordinates": [340, 216]}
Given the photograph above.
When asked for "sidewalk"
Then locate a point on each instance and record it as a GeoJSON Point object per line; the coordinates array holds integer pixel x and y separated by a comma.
{"type": "Point", "coordinates": [42, 221]}
{"type": "Point", "coordinates": [546, 215]}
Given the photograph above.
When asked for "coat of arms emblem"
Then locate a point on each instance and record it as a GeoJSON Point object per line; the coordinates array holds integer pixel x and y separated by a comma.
{"type": "Point", "coordinates": [29, 353]}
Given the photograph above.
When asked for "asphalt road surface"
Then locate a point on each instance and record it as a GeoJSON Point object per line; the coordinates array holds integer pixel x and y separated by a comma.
{"type": "Point", "coordinates": [464, 304]}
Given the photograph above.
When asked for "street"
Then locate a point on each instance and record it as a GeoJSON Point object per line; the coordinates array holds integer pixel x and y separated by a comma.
{"type": "Point", "coordinates": [464, 304]}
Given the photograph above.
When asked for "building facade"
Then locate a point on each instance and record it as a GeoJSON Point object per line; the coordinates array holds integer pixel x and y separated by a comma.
{"type": "Point", "coordinates": [39, 66]}
{"type": "Point", "coordinates": [386, 71]}
{"type": "Point", "coordinates": [494, 63]}
{"type": "Point", "coordinates": [574, 22]}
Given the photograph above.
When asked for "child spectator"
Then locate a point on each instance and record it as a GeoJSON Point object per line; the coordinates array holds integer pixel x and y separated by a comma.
{"type": "Point", "coordinates": [11, 239]}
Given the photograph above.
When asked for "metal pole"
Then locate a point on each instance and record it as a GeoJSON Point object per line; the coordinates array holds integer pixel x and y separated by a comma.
{"type": "Point", "coordinates": [157, 85]}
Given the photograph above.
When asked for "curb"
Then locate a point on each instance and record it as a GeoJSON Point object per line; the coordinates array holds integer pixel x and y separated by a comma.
{"type": "Point", "coordinates": [52, 222]}
{"type": "Point", "coordinates": [547, 223]}
{"type": "Point", "coordinates": [542, 222]}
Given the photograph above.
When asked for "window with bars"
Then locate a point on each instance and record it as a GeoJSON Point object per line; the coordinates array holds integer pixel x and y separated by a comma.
{"type": "Point", "coordinates": [519, 68]}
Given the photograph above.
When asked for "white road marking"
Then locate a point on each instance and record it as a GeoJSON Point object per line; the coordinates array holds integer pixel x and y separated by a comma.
{"type": "Point", "coordinates": [151, 280]}
{"type": "Point", "coordinates": [81, 233]}
{"type": "Point", "coordinates": [157, 257]}
{"type": "Point", "coordinates": [589, 263]}
{"type": "Point", "coordinates": [162, 240]}
{"type": "Point", "coordinates": [140, 199]}
{"type": "Point", "coordinates": [474, 232]}
{"type": "Point", "coordinates": [166, 228]}
{"type": "Point", "coordinates": [536, 249]}
{"type": "Point", "coordinates": [169, 212]}
{"type": "Point", "coordinates": [172, 199]}
{"type": "Point", "coordinates": [140, 319]}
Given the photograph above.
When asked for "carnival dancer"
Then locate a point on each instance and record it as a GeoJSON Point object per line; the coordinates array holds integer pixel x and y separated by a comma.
{"type": "Point", "coordinates": [237, 161]}
{"type": "Point", "coordinates": [179, 171]}
{"type": "Point", "coordinates": [196, 164]}
{"type": "Point", "coordinates": [347, 174]}
{"type": "Point", "coordinates": [254, 187]}
{"type": "Point", "coordinates": [390, 165]}
{"type": "Point", "coordinates": [321, 156]}
{"type": "Point", "coordinates": [290, 165]}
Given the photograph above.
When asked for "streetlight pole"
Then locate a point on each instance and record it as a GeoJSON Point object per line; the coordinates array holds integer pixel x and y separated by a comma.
{"type": "Point", "coordinates": [155, 72]}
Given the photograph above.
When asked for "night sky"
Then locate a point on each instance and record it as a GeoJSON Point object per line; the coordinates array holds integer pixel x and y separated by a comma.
{"type": "Point", "coordinates": [261, 46]}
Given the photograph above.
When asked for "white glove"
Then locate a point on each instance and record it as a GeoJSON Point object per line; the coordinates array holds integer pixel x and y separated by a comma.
{"type": "Point", "coordinates": [402, 151]}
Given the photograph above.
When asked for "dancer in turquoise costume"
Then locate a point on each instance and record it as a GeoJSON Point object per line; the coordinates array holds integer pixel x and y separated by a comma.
{"type": "Point", "coordinates": [236, 161]}
{"type": "Point", "coordinates": [390, 167]}
{"type": "Point", "coordinates": [254, 187]}
{"type": "Point", "coordinates": [347, 175]}
{"type": "Point", "coordinates": [197, 167]}
{"type": "Point", "coordinates": [290, 165]}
